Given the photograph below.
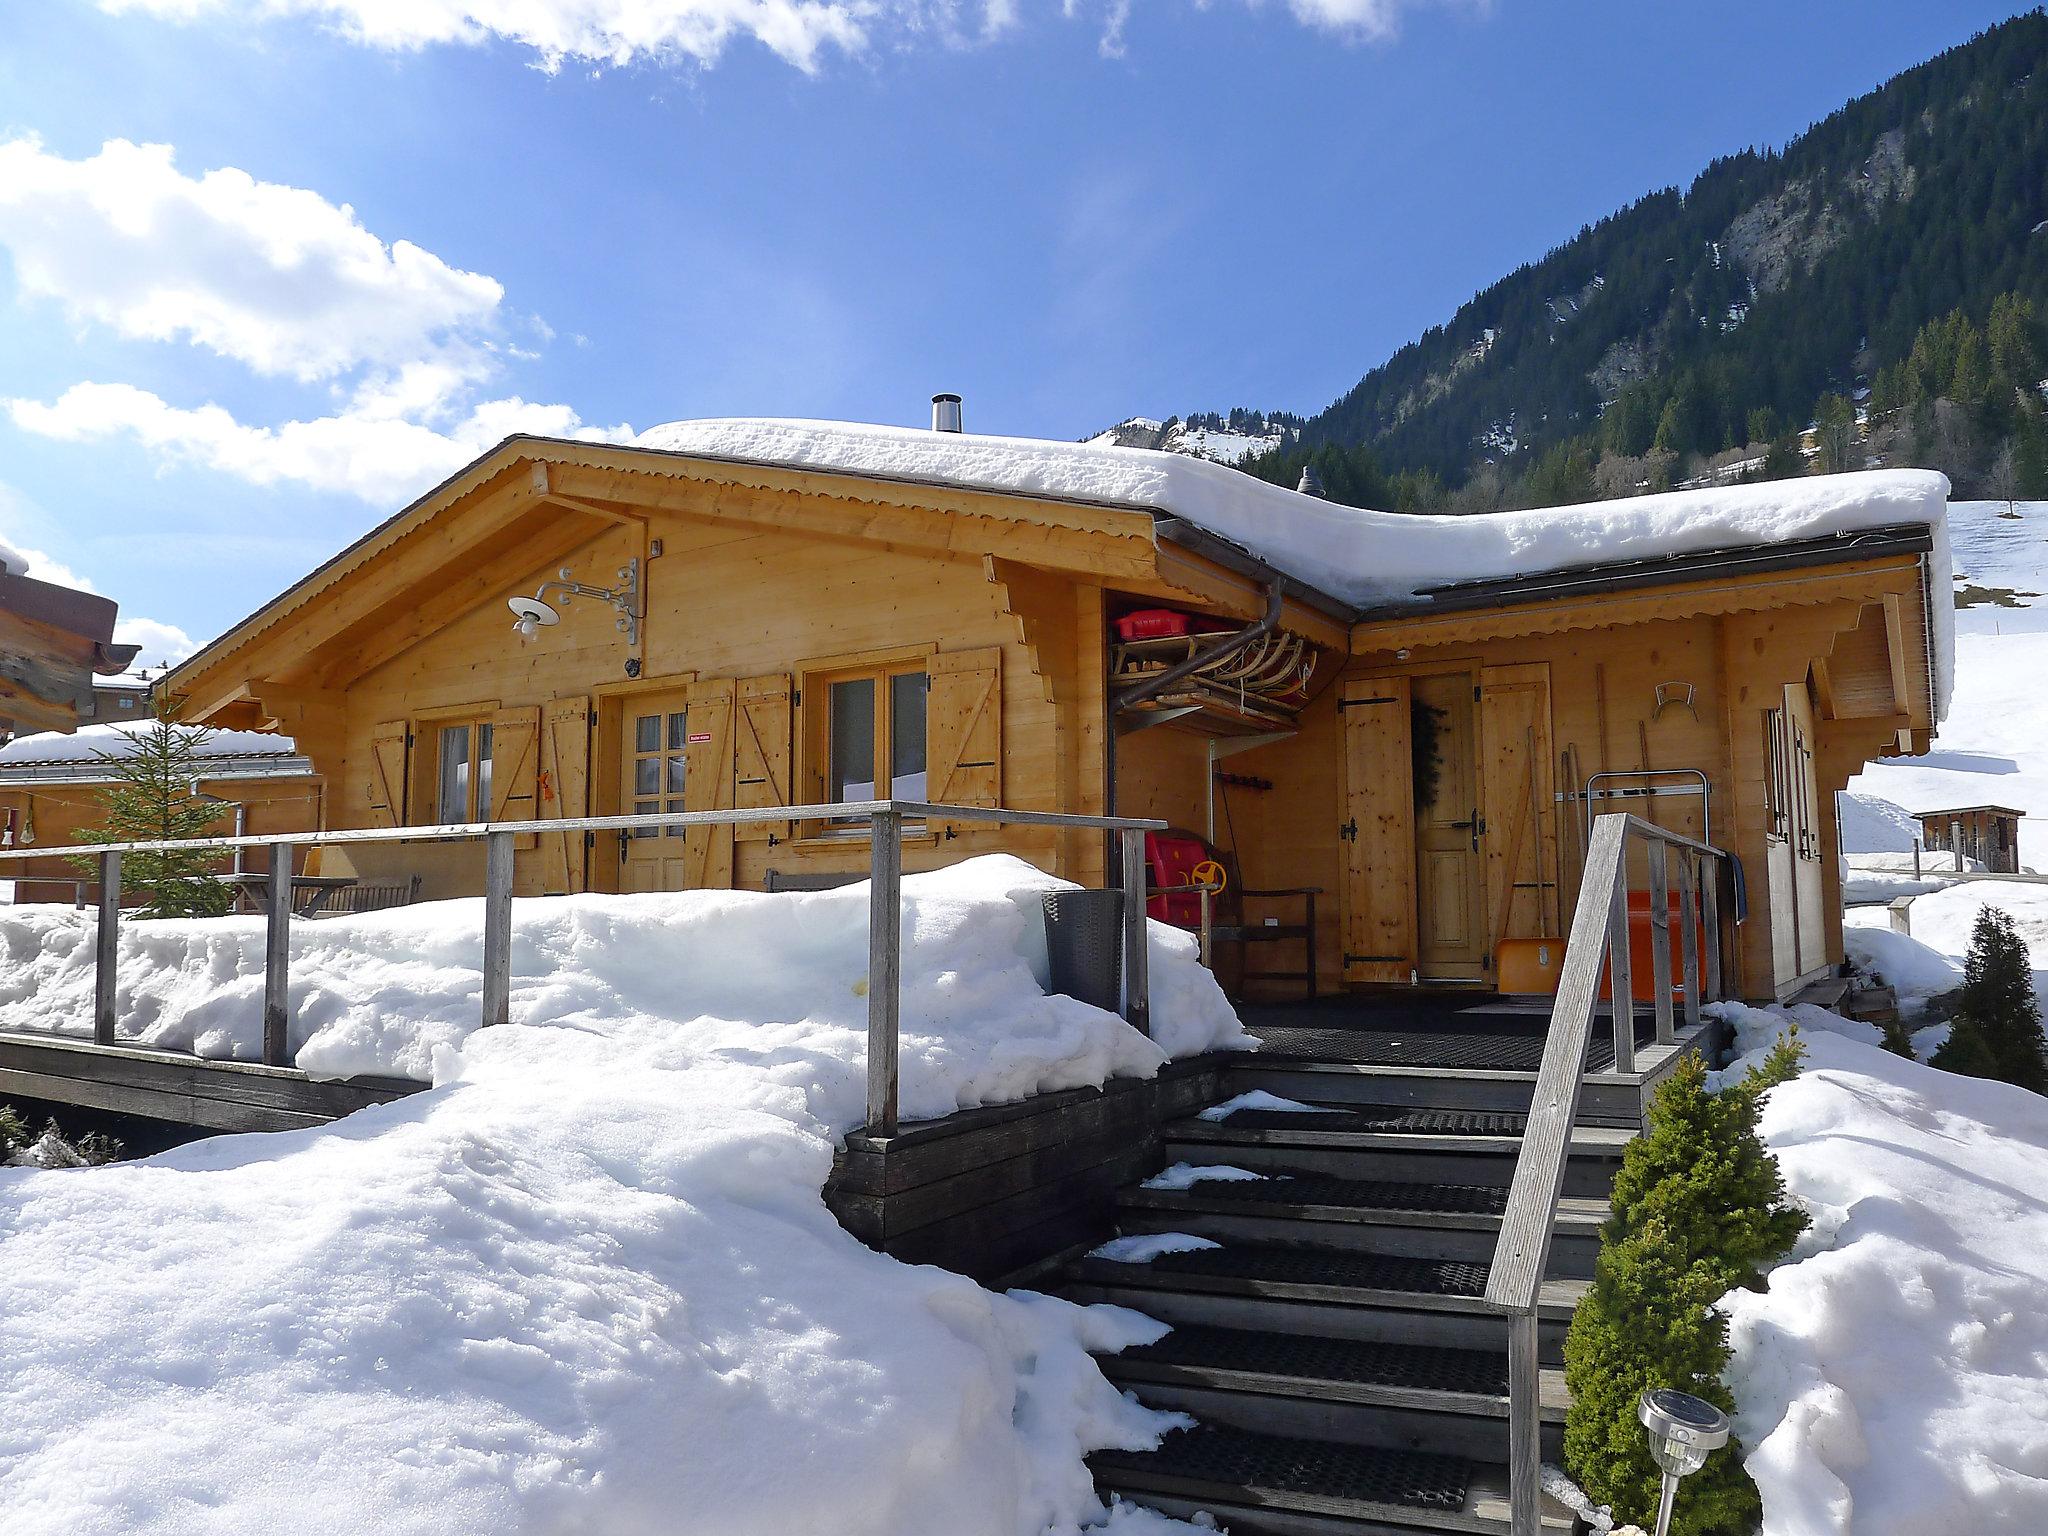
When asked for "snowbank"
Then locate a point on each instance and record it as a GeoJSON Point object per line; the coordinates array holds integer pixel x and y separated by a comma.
{"type": "Point", "coordinates": [1872, 824]}
{"type": "Point", "coordinates": [585, 1282]}
{"type": "Point", "coordinates": [1893, 1379]}
{"type": "Point", "coordinates": [756, 975]}
{"type": "Point", "coordinates": [1361, 556]}
{"type": "Point", "coordinates": [89, 742]}
{"type": "Point", "coordinates": [1917, 972]}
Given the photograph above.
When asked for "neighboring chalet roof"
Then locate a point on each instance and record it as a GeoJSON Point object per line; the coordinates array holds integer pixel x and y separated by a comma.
{"type": "Point", "coordinates": [1341, 561]}
{"type": "Point", "coordinates": [1971, 810]}
{"type": "Point", "coordinates": [53, 640]}
{"type": "Point", "coordinates": [81, 757]}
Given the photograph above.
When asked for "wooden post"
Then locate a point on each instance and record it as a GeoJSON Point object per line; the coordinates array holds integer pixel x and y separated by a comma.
{"type": "Point", "coordinates": [1137, 954]}
{"type": "Point", "coordinates": [107, 954]}
{"type": "Point", "coordinates": [1525, 1428]}
{"type": "Point", "coordinates": [885, 967]}
{"type": "Point", "coordinates": [1710, 912]}
{"type": "Point", "coordinates": [1660, 937]}
{"type": "Point", "coordinates": [1621, 983]}
{"type": "Point", "coordinates": [277, 940]}
{"type": "Point", "coordinates": [1688, 932]}
{"type": "Point", "coordinates": [498, 852]}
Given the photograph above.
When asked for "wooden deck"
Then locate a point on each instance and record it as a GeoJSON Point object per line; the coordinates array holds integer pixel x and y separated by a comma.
{"type": "Point", "coordinates": [183, 1089]}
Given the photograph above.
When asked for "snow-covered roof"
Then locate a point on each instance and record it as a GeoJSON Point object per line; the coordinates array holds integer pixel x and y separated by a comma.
{"type": "Point", "coordinates": [51, 754]}
{"type": "Point", "coordinates": [1361, 557]}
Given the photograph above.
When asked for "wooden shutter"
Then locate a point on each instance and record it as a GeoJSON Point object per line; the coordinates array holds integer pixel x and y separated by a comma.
{"type": "Point", "coordinates": [964, 728]}
{"type": "Point", "coordinates": [564, 792]}
{"type": "Point", "coordinates": [761, 743]}
{"type": "Point", "coordinates": [515, 769]}
{"type": "Point", "coordinates": [387, 775]}
{"type": "Point", "coordinates": [708, 783]}
{"type": "Point", "coordinates": [1379, 832]}
{"type": "Point", "coordinates": [1517, 794]}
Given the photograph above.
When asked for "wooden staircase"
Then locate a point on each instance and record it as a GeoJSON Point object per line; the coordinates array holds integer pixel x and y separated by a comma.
{"type": "Point", "coordinates": [1336, 1350]}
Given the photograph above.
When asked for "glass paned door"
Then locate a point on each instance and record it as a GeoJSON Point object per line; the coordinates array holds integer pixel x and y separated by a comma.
{"type": "Point", "coordinates": [652, 762]}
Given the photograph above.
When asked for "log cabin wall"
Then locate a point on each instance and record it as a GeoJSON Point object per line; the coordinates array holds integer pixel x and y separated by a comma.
{"type": "Point", "coordinates": [61, 811]}
{"type": "Point", "coordinates": [727, 603]}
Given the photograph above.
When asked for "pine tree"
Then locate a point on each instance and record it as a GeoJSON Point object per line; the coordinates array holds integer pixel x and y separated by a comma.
{"type": "Point", "coordinates": [154, 799]}
{"type": "Point", "coordinates": [1699, 1209]}
{"type": "Point", "coordinates": [1997, 1031]}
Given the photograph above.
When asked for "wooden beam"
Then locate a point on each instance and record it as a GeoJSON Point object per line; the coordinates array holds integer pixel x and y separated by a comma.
{"type": "Point", "coordinates": [1851, 580]}
{"type": "Point", "coordinates": [1824, 689]}
{"type": "Point", "coordinates": [1895, 648]}
{"type": "Point", "coordinates": [843, 509]}
{"type": "Point", "coordinates": [592, 509]}
{"type": "Point", "coordinates": [1184, 571]}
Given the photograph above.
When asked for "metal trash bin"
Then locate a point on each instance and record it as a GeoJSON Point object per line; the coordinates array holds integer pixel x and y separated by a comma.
{"type": "Point", "coordinates": [1084, 945]}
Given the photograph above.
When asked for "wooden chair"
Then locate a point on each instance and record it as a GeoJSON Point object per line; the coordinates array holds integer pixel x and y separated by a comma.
{"type": "Point", "coordinates": [1173, 896]}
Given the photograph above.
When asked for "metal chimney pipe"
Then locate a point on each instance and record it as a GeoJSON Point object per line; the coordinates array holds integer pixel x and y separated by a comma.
{"type": "Point", "coordinates": [946, 413]}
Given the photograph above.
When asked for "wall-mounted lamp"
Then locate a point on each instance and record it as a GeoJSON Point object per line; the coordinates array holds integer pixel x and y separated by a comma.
{"type": "Point", "coordinates": [1682, 1430]}
{"type": "Point", "coordinates": [530, 615]}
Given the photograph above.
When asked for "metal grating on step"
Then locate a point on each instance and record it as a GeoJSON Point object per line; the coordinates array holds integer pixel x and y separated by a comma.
{"type": "Point", "coordinates": [1387, 1121]}
{"type": "Point", "coordinates": [1237, 1458]}
{"type": "Point", "coordinates": [1354, 1194]}
{"type": "Point", "coordinates": [1279, 1265]}
{"type": "Point", "coordinates": [1498, 1050]}
{"type": "Point", "coordinates": [1305, 1357]}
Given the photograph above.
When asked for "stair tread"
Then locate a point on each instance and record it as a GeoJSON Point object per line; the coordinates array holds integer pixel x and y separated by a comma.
{"type": "Point", "coordinates": [1237, 1265]}
{"type": "Point", "coordinates": [1423, 1367]}
{"type": "Point", "coordinates": [1307, 1473]}
{"type": "Point", "coordinates": [1313, 1365]}
{"type": "Point", "coordinates": [1284, 1191]}
{"type": "Point", "coordinates": [1365, 1118]}
{"type": "Point", "coordinates": [1508, 1049]}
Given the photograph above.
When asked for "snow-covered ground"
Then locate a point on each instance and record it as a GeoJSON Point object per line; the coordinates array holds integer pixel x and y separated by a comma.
{"type": "Point", "coordinates": [1993, 747]}
{"type": "Point", "coordinates": [585, 1283]}
{"type": "Point", "coordinates": [1893, 1378]}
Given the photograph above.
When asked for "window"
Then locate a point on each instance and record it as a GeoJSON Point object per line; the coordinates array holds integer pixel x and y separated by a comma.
{"type": "Point", "coordinates": [463, 773]}
{"type": "Point", "coordinates": [1777, 775]}
{"type": "Point", "coordinates": [873, 743]}
{"type": "Point", "coordinates": [659, 743]}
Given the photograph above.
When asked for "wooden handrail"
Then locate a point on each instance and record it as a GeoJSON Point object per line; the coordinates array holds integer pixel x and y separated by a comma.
{"type": "Point", "coordinates": [886, 819]}
{"type": "Point", "coordinates": [1597, 948]}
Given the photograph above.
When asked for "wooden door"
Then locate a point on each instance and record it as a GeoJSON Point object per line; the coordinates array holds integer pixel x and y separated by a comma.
{"type": "Point", "coordinates": [1518, 808]}
{"type": "Point", "coordinates": [653, 766]}
{"type": "Point", "coordinates": [1450, 915]}
{"type": "Point", "coordinates": [565, 794]}
{"type": "Point", "coordinates": [1378, 832]}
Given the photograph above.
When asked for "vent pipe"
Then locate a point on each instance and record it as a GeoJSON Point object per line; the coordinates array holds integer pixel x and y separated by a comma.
{"type": "Point", "coordinates": [946, 413]}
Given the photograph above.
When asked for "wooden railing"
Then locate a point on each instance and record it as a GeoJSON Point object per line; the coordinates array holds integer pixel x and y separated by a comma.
{"type": "Point", "coordinates": [1597, 949]}
{"type": "Point", "coordinates": [885, 820]}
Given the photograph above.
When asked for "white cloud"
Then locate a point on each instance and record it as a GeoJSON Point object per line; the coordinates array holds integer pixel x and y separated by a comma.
{"type": "Point", "coordinates": [284, 282]}
{"type": "Point", "coordinates": [621, 32]}
{"type": "Point", "coordinates": [275, 277]}
{"type": "Point", "coordinates": [162, 644]}
{"type": "Point", "coordinates": [369, 451]}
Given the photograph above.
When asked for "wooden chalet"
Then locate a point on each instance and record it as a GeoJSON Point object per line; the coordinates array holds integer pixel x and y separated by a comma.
{"type": "Point", "coordinates": [53, 641]}
{"type": "Point", "coordinates": [1394, 740]}
{"type": "Point", "coordinates": [842, 619]}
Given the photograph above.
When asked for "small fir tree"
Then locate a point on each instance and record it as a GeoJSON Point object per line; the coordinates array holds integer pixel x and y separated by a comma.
{"type": "Point", "coordinates": [1699, 1209]}
{"type": "Point", "coordinates": [1997, 1028]}
{"type": "Point", "coordinates": [154, 799]}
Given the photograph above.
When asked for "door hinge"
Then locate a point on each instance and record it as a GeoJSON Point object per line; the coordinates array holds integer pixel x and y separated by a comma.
{"type": "Point", "coordinates": [589, 840]}
{"type": "Point", "coordinates": [1349, 831]}
{"type": "Point", "coordinates": [796, 697]}
{"type": "Point", "coordinates": [593, 718]}
{"type": "Point", "coordinates": [1476, 694]}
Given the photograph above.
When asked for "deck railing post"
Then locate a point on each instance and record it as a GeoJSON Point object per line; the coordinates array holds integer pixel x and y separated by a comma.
{"type": "Point", "coordinates": [885, 967]}
{"type": "Point", "coordinates": [498, 851]}
{"type": "Point", "coordinates": [107, 953]}
{"type": "Point", "coordinates": [1525, 1427]}
{"type": "Point", "coordinates": [1137, 937]}
{"type": "Point", "coordinates": [1688, 928]}
{"type": "Point", "coordinates": [1710, 914]}
{"type": "Point", "coordinates": [1660, 938]}
{"type": "Point", "coordinates": [277, 944]}
{"type": "Point", "coordinates": [1621, 981]}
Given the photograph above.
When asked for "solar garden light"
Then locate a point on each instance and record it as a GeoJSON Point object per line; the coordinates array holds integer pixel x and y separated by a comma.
{"type": "Point", "coordinates": [1682, 1430]}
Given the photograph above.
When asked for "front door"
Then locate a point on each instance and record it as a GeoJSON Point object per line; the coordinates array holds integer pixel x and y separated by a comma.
{"type": "Point", "coordinates": [653, 767]}
{"type": "Point", "coordinates": [1449, 868]}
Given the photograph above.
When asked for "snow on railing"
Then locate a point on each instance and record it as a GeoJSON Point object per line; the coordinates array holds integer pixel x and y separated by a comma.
{"type": "Point", "coordinates": [885, 906]}
{"type": "Point", "coordinates": [1598, 948]}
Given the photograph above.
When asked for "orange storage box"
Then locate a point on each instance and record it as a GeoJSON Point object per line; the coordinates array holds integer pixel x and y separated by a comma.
{"type": "Point", "coordinates": [1532, 965]}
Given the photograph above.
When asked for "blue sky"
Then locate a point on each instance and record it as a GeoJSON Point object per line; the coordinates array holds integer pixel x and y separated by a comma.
{"type": "Point", "coordinates": [337, 247]}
